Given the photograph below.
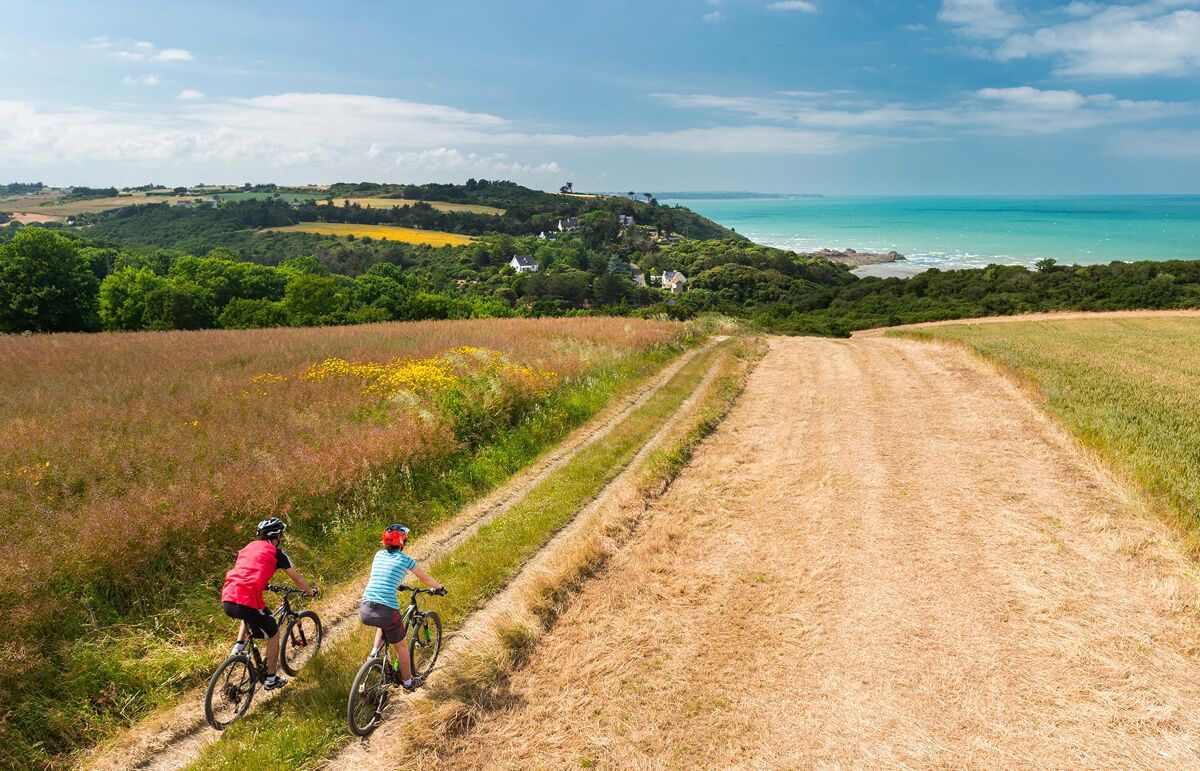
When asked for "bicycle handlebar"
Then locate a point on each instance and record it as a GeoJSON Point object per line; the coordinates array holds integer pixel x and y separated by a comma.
{"type": "Point", "coordinates": [421, 590]}
{"type": "Point", "coordinates": [285, 590]}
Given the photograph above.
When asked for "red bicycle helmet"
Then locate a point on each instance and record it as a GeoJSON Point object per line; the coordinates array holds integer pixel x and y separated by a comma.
{"type": "Point", "coordinates": [395, 535]}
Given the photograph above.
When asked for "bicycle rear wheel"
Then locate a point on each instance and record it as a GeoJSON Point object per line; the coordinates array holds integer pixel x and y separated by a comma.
{"type": "Point", "coordinates": [425, 643]}
{"type": "Point", "coordinates": [230, 690]}
{"type": "Point", "coordinates": [368, 695]}
{"type": "Point", "coordinates": [301, 641]}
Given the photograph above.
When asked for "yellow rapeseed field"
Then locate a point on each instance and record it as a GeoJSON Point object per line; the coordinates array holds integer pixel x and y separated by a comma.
{"type": "Point", "coordinates": [389, 232]}
{"type": "Point", "coordinates": [1128, 388]}
{"type": "Point", "coordinates": [387, 203]}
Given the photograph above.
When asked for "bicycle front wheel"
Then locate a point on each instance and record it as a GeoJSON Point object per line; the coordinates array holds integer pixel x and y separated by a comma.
{"type": "Point", "coordinates": [368, 695]}
{"type": "Point", "coordinates": [230, 690]}
{"type": "Point", "coordinates": [301, 641]}
{"type": "Point", "coordinates": [425, 643]}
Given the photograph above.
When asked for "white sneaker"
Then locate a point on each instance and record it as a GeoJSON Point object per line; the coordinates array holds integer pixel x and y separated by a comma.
{"type": "Point", "coordinates": [238, 649]}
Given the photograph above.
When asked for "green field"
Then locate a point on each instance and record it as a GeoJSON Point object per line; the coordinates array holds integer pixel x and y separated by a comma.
{"type": "Point", "coordinates": [1128, 388]}
{"type": "Point", "coordinates": [315, 195]}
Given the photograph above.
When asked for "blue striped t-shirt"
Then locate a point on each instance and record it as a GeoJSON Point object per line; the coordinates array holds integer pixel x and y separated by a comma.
{"type": "Point", "coordinates": [387, 572]}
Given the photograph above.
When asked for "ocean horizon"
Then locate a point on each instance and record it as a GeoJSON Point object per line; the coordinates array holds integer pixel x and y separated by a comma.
{"type": "Point", "coordinates": [949, 232]}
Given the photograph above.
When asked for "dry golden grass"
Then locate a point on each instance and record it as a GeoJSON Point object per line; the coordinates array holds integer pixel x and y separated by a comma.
{"type": "Point", "coordinates": [123, 439]}
{"type": "Point", "coordinates": [388, 232]}
{"type": "Point", "coordinates": [387, 203]}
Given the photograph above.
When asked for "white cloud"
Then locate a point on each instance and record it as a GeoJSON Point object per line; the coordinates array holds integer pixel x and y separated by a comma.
{"type": "Point", "coordinates": [173, 55]}
{"type": "Point", "coordinates": [190, 95]}
{"type": "Point", "coordinates": [1016, 110]}
{"type": "Point", "coordinates": [1027, 96]}
{"type": "Point", "coordinates": [99, 42]}
{"type": "Point", "coordinates": [1116, 41]}
{"type": "Point", "coordinates": [980, 18]}
{"type": "Point", "coordinates": [141, 80]}
{"type": "Point", "coordinates": [143, 44]}
{"type": "Point", "coordinates": [915, 28]}
{"type": "Point", "coordinates": [712, 17]}
{"type": "Point", "coordinates": [450, 160]}
{"type": "Point", "coordinates": [793, 5]}
{"type": "Point", "coordinates": [129, 56]}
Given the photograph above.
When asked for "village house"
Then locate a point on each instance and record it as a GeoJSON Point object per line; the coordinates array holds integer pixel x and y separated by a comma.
{"type": "Point", "coordinates": [625, 220]}
{"type": "Point", "coordinates": [523, 263]}
{"type": "Point", "coordinates": [568, 224]}
{"type": "Point", "coordinates": [673, 281]}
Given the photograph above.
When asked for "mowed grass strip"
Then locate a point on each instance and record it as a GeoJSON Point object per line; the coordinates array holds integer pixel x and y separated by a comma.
{"type": "Point", "coordinates": [308, 721]}
{"type": "Point", "coordinates": [383, 232]}
{"type": "Point", "coordinates": [1127, 388]}
{"type": "Point", "coordinates": [388, 203]}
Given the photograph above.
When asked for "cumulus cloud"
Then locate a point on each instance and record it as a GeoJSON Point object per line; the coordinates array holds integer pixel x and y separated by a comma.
{"type": "Point", "coordinates": [1116, 41]}
{"type": "Point", "coordinates": [712, 17]}
{"type": "Point", "coordinates": [99, 42]}
{"type": "Point", "coordinates": [980, 18]}
{"type": "Point", "coordinates": [173, 55]}
{"type": "Point", "coordinates": [141, 80]}
{"type": "Point", "coordinates": [793, 5]}
{"type": "Point", "coordinates": [451, 160]}
{"type": "Point", "coordinates": [190, 95]}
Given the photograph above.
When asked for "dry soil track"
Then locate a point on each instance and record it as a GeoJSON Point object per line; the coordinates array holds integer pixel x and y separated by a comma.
{"type": "Point", "coordinates": [885, 557]}
{"type": "Point", "coordinates": [174, 738]}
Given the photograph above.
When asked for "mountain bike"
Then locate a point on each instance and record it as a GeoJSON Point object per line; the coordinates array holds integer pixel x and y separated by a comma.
{"type": "Point", "coordinates": [377, 676]}
{"type": "Point", "coordinates": [232, 686]}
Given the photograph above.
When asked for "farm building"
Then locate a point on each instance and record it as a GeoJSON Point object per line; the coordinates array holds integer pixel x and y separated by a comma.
{"type": "Point", "coordinates": [524, 263]}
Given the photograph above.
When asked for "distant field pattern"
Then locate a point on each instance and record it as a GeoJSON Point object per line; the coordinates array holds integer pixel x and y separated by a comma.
{"type": "Point", "coordinates": [388, 232]}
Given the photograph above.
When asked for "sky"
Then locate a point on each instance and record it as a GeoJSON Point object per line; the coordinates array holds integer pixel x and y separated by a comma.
{"type": "Point", "coordinates": [793, 96]}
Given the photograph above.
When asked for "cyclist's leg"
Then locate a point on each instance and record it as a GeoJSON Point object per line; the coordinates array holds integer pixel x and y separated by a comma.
{"type": "Point", "coordinates": [273, 652]}
{"type": "Point", "coordinates": [242, 633]}
{"type": "Point", "coordinates": [402, 660]}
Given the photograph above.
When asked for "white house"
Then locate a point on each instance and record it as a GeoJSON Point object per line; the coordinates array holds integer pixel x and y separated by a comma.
{"type": "Point", "coordinates": [625, 220]}
{"type": "Point", "coordinates": [523, 263]}
{"type": "Point", "coordinates": [674, 281]}
{"type": "Point", "coordinates": [570, 223]}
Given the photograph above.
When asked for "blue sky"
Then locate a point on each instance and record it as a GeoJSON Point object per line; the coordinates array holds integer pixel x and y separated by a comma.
{"type": "Point", "coordinates": [825, 96]}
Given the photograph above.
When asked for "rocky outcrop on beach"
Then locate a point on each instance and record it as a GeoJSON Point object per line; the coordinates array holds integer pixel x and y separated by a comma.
{"type": "Point", "coordinates": [851, 257]}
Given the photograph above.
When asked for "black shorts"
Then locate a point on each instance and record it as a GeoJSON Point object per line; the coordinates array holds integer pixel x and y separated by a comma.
{"type": "Point", "coordinates": [262, 624]}
{"type": "Point", "coordinates": [387, 619]}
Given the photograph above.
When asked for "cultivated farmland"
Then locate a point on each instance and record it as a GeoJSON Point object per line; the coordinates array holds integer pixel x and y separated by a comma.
{"type": "Point", "coordinates": [156, 452]}
{"type": "Point", "coordinates": [383, 232]}
{"type": "Point", "coordinates": [387, 203]}
{"type": "Point", "coordinates": [1127, 387]}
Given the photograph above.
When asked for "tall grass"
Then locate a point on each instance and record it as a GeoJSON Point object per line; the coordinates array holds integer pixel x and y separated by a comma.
{"type": "Point", "coordinates": [133, 465]}
{"type": "Point", "coordinates": [1127, 388]}
{"type": "Point", "coordinates": [308, 722]}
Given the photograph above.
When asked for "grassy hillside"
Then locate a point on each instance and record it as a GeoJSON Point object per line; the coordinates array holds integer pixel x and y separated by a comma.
{"type": "Point", "coordinates": [1128, 388]}
{"type": "Point", "coordinates": [117, 532]}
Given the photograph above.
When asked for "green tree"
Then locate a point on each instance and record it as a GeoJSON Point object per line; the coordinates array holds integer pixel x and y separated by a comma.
{"type": "Point", "coordinates": [178, 305]}
{"type": "Point", "coordinates": [123, 296]}
{"type": "Point", "coordinates": [253, 314]}
{"type": "Point", "coordinates": [46, 285]}
{"type": "Point", "coordinates": [311, 300]}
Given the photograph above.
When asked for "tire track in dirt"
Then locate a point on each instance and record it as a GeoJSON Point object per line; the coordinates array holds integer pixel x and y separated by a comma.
{"type": "Point", "coordinates": [886, 556]}
{"type": "Point", "coordinates": [1052, 316]}
{"type": "Point", "coordinates": [173, 739]}
{"type": "Point", "coordinates": [373, 753]}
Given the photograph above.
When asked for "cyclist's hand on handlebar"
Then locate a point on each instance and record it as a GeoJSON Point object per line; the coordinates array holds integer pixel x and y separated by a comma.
{"type": "Point", "coordinates": [314, 592]}
{"type": "Point", "coordinates": [440, 591]}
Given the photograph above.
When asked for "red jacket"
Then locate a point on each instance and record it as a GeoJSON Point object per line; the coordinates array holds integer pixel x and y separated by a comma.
{"type": "Point", "coordinates": [255, 565]}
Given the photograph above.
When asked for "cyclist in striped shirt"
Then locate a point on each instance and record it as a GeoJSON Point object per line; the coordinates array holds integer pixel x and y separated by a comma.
{"type": "Point", "coordinates": [380, 605]}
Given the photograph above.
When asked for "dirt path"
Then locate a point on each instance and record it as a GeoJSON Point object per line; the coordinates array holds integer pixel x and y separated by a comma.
{"type": "Point", "coordinates": [173, 739]}
{"type": "Point", "coordinates": [885, 557]}
{"type": "Point", "coordinates": [1058, 316]}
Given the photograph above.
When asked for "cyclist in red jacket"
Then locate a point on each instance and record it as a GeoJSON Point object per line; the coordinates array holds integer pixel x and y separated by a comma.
{"type": "Point", "coordinates": [242, 594]}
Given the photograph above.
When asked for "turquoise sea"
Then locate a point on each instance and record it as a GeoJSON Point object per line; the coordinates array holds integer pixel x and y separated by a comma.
{"type": "Point", "coordinates": [957, 232]}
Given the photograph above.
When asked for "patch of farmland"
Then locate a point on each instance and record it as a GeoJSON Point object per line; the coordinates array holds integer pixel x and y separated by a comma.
{"type": "Point", "coordinates": [386, 232]}
{"type": "Point", "coordinates": [387, 203]}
